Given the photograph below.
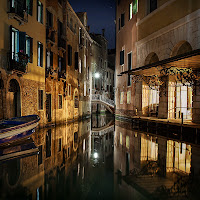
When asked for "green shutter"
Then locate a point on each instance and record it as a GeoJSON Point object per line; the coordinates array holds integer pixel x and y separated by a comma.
{"type": "Point", "coordinates": [135, 6]}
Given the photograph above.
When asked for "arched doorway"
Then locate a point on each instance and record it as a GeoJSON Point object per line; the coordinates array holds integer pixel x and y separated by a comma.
{"type": "Point", "coordinates": [150, 96]}
{"type": "Point", "coordinates": [14, 98]}
{"type": "Point", "coordinates": [180, 96]}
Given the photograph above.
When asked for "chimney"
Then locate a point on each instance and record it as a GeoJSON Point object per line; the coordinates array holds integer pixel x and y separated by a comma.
{"type": "Point", "coordinates": [103, 32]}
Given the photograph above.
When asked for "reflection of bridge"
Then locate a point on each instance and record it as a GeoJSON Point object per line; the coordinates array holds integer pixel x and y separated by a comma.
{"type": "Point", "coordinates": [103, 130]}
{"type": "Point", "coordinates": [101, 99]}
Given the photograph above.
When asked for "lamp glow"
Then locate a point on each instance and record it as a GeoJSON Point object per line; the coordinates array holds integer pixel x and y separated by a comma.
{"type": "Point", "coordinates": [96, 155]}
{"type": "Point", "coordinates": [96, 75]}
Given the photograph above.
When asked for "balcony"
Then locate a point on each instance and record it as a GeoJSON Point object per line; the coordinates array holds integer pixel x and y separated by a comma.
{"type": "Point", "coordinates": [18, 11]}
{"type": "Point", "coordinates": [50, 35]}
{"type": "Point", "coordinates": [17, 63]}
{"type": "Point", "coordinates": [61, 44]}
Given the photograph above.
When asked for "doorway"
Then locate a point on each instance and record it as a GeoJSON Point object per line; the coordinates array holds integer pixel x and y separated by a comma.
{"type": "Point", "coordinates": [14, 98]}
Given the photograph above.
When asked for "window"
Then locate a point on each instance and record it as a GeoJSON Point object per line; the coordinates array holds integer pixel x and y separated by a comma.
{"type": "Point", "coordinates": [122, 57]}
{"type": "Point", "coordinates": [40, 100]}
{"type": "Point", "coordinates": [152, 5]}
{"type": "Point", "coordinates": [69, 55]}
{"type": "Point", "coordinates": [127, 142]}
{"type": "Point", "coordinates": [48, 143]}
{"type": "Point", "coordinates": [49, 61]}
{"type": "Point", "coordinates": [80, 36]}
{"type": "Point", "coordinates": [76, 61]}
{"type": "Point", "coordinates": [135, 6]}
{"type": "Point", "coordinates": [40, 54]}
{"type": "Point", "coordinates": [49, 19]}
{"type": "Point", "coordinates": [130, 11]}
{"type": "Point", "coordinates": [69, 90]}
{"type": "Point", "coordinates": [107, 74]}
{"type": "Point", "coordinates": [59, 144]}
{"type": "Point", "coordinates": [128, 97]}
{"type": "Point", "coordinates": [85, 89]}
{"type": "Point", "coordinates": [85, 61]}
{"type": "Point", "coordinates": [68, 152]}
{"type": "Point", "coordinates": [40, 155]}
{"type": "Point", "coordinates": [119, 23]}
{"type": "Point", "coordinates": [129, 67]}
{"type": "Point", "coordinates": [29, 48]}
{"type": "Point", "coordinates": [120, 139]}
{"type": "Point", "coordinates": [76, 102]}
{"type": "Point", "coordinates": [29, 5]}
{"type": "Point", "coordinates": [80, 66]}
{"type": "Point", "coordinates": [121, 97]}
{"type": "Point", "coordinates": [39, 12]}
{"type": "Point", "coordinates": [20, 42]}
{"type": "Point", "coordinates": [59, 101]}
{"type": "Point", "coordinates": [122, 20]}
{"type": "Point", "coordinates": [88, 73]}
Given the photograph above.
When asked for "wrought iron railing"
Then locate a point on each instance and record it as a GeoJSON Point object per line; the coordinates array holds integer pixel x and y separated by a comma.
{"type": "Point", "coordinates": [17, 62]}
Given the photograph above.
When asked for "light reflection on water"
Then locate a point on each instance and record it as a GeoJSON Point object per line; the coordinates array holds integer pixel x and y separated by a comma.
{"type": "Point", "coordinates": [77, 162]}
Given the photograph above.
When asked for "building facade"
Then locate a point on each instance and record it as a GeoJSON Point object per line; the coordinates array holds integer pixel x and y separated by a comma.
{"type": "Point", "coordinates": [102, 82]}
{"type": "Point", "coordinates": [46, 72]}
{"type": "Point", "coordinates": [22, 69]}
{"type": "Point", "coordinates": [166, 69]}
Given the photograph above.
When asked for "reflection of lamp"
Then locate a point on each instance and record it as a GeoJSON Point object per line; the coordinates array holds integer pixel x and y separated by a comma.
{"type": "Point", "coordinates": [96, 75]}
{"type": "Point", "coordinates": [96, 155]}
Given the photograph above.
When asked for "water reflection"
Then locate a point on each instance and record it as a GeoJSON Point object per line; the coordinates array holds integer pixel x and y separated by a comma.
{"type": "Point", "coordinates": [156, 167]}
{"type": "Point", "coordinates": [95, 159]}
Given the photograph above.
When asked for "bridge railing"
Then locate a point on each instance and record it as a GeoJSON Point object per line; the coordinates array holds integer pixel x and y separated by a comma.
{"type": "Point", "coordinates": [103, 132]}
{"type": "Point", "coordinates": [103, 98]}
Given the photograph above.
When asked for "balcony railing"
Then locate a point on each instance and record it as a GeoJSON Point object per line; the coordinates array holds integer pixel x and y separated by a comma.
{"type": "Point", "coordinates": [18, 11]}
{"type": "Point", "coordinates": [50, 34]}
{"type": "Point", "coordinates": [17, 62]}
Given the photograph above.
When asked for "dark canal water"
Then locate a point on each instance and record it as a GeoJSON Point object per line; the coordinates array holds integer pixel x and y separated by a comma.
{"type": "Point", "coordinates": [100, 159]}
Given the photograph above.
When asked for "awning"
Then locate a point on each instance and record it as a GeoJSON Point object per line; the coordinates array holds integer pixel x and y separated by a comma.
{"type": "Point", "coordinates": [188, 60]}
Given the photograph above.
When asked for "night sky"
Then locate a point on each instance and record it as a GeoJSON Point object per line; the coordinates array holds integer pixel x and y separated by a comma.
{"type": "Point", "coordinates": [101, 14]}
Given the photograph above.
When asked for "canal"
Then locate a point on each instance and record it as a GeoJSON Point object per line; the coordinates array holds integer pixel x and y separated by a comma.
{"type": "Point", "coordinates": [99, 158]}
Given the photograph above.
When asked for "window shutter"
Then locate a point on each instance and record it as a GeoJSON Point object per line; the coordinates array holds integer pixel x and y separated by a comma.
{"type": "Point", "coordinates": [121, 57]}
{"type": "Point", "coordinates": [10, 38]}
{"type": "Point", "coordinates": [69, 55]}
{"type": "Point", "coordinates": [22, 42]}
{"type": "Point", "coordinates": [41, 55]}
{"type": "Point", "coordinates": [41, 13]}
{"type": "Point", "coordinates": [31, 50]}
{"type": "Point", "coordinates": [31, 7]}
{"type": "Point", "coordinates": [76, 60]}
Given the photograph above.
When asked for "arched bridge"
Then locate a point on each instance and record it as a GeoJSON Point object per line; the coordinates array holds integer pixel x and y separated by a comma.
{"type": "Point", "coordinates": [108, 103]}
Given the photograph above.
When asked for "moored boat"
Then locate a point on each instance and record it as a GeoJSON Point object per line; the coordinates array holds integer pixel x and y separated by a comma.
{"type": "Point", "coordinates": [17, 128]}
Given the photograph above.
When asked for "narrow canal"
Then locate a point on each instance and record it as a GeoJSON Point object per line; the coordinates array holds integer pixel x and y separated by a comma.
{"type": "Point", "coordinates": [99, 158]}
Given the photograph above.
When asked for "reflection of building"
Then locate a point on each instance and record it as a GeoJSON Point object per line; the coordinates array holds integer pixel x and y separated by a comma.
{"type": "Point", "coordinates": [46, 175]}
{"type": "Point", "coordinates": [165, 67]}
{"type": "Point", "coordinates": [147, 157]}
